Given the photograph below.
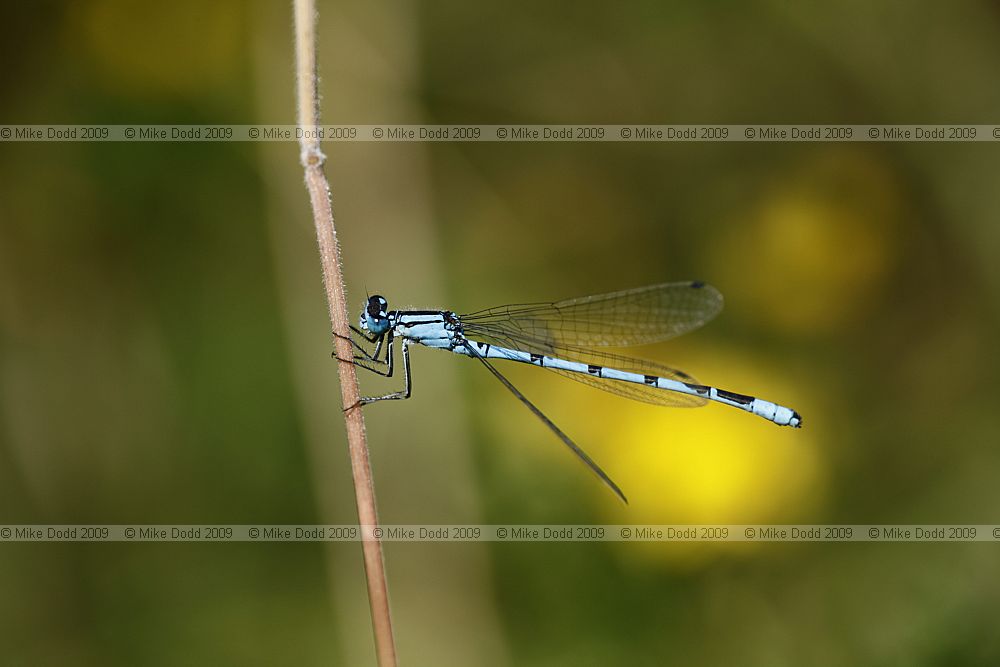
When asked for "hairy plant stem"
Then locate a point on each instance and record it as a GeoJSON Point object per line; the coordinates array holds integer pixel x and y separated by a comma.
{"type": "Point", "coordinates": [319, 195]}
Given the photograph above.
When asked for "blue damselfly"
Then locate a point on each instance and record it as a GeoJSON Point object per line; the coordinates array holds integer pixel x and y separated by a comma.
{"type": "Point", "coordinates": [567, 337]}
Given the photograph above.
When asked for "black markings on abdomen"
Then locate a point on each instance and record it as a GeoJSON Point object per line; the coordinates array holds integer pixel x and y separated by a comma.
{"type": "Point", "coordinates": [594, 370]}
{"type": "Point", "coordinates": [651, 380]}
{"type": "Point", "coordinates": [735, 398]}
{"type": "Point", "coordinates": [537, 359]}
{"type": "Point", "coordinates": [699, 389]}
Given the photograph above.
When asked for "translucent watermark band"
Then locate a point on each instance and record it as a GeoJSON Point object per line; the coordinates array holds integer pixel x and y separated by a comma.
{"type": "Point", "coordinates": [500, 533]}
{"type": "Point", "coordinates": [504, 133]}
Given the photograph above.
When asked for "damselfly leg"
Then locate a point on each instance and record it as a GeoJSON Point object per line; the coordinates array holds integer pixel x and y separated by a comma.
{"type": "Point", "coordinates": [363, 357]}
{"type": "Point", "coordinates": [404, 393]}
{"type": "Point", "coordinates": [366, 358]}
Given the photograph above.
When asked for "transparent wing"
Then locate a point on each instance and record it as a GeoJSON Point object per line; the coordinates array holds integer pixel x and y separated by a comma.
{"type": "Point", "coordinates": [636, 392]}
{"type": "Point", "coordinates": [575, 448]}
{"type": "Point", "coordinates": [619, 319]}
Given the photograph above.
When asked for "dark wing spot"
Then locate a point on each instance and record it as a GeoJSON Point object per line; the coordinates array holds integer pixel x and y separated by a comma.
{"type": "Point", "coordinates": [697, 284]}
{"type": "Point", "coordinates": [735, 398]}
{"type": "Point", "coordinates": [699, 389]}
{"type": "Point", "coordinates": [651, 380]}
{"type": "Point", "coordinates": [594, 370]}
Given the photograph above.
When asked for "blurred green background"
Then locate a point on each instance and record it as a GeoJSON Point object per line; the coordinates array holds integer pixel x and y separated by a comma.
{"type": "Point", "coordinates": [165, 346]}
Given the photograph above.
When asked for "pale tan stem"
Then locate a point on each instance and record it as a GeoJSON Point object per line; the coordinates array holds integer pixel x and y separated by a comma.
{"type": "Point", "coordinates": [319, 195]}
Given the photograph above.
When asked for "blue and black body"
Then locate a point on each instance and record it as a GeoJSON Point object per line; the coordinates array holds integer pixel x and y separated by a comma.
{"type": "Point", "coordinates": [569, 338]}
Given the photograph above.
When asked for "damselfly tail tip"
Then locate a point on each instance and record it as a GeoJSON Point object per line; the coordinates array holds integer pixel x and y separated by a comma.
{"type": "Point", "coordinates": [796, 420]}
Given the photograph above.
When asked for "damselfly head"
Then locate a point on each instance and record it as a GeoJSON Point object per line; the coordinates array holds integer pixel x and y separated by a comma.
{"type": "Point", "coordinates": [375, 317]}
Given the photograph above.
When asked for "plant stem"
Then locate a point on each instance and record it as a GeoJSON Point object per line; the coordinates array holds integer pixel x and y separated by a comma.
{"type": "Point", "coordinates": [319, 195]}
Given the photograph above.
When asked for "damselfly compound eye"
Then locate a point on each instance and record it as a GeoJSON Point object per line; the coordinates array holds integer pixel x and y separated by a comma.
{"type": "Point", "coordinates": [377, 306]}
{"type": "Point", "coordinates": [375, 318]}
